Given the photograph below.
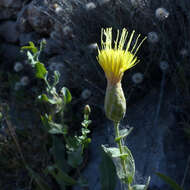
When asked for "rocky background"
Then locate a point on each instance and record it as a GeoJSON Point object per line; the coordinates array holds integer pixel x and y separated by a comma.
{"type": "Point", "coordinates": [157, 89]}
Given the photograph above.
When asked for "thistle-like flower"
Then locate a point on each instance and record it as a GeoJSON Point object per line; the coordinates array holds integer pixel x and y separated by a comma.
{"type": "Point", "coordinates": [115, 61]}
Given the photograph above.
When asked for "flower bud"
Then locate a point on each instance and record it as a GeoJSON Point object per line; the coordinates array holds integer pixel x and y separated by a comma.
{"type": "Point", "coordinates": [87, 110]}
{"type": "Point", "coordinates": [1, 116]}
{"type": "Point", "coordinates": [115, 103]}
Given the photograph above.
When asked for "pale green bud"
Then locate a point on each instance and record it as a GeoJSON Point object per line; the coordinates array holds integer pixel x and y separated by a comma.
{"type": "Point", "coordinates": [87, 110]}
{"type": "Point", "coordinates": [115, 103]}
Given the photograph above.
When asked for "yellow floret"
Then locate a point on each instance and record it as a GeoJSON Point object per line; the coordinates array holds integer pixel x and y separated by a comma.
{"type": "Point", "coordinates": [115, 61]}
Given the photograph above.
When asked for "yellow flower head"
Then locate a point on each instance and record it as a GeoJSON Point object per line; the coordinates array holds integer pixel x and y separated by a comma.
{"type": "Point", "coordinates": [116, 60]}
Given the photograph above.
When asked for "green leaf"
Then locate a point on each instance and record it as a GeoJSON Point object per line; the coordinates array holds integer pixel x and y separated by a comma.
{"type": "Point", "coordinates": [85, 131]}
{"type": "Point", "coordinates": [31, 47]}
{"type": "Point", "coordinates": [31, 59]}
{"type": "Point", "coordinates": [130, 164]}
{"type": "Point", "coordinates": [40, 70]}
{"type": "Point", "coordinates": [107, 173]}
{"type": "Point", "coordinates": [114, 153]}
{"type": "Point", "coordinates": [43, 98]}
{"type": "Point", "coordinates": [85, 123]}
{"type": "Point", "coordinates": [59, 154]}
{"type": "Point", "coordinates": [72, 143]}
{"type": "Point", "coordinates": [26, 48]}
{"type": "Point", "coordinates": [52, 90]}
{"type": "Point", "coordinates": [52, 127]}
{"type": "Point", "coordinates": [66, 95]}
{"type": "Point", "coordinates": [45, 120]}
{"type": "Point", "coordinates": [82, 182]}
{"type": "Point", "coordinates": [147, 183]}
{"type": "Point", "coordinates": [141, 187]}
{"type": "Point", "coordinates": [52, 101]}
{"type": "Point", "coordinates": [61, 177]}
{"type": "Point", "coordinates": [56, 128]}
{"type": "Point", "coordinates": [54, 131]}
{"type": "Point", "coordinates": [123, 134]}
{"type": "Point", "coordinates": [42, 185]}
{"type": "Point", "coordinates": [75, 158]}
{"type": "Point", "coordinates": [52, 170]}
{"type": "Point", "coordinates": [169, 181]}
{"type": "Point", "coordinates": [138, 187]}
{"type": "Point", "coordinates": [43, 43]}
{"type": "Point", "coordinates": [66, 178]}
{"type": "Point", "coordinates": [56, 78]}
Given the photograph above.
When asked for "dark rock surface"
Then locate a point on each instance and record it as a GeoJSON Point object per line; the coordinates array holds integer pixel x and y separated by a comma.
{"type": "Point", "coordinates": [38, 21]}
{"type": "Point", "coordinates": [9, 32]}
{"type": "Point", "coordinates": [24, 38]}
{"type": "Point", "coordinates": [11, 3]}
{"type": "Point", "coordinates": [10, 52]}
{"type": "Point", "coordinates": [9, 9]}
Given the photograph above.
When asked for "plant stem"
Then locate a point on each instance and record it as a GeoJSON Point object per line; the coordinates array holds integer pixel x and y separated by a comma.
{"type": "Point", "coordinates": [120, 145]}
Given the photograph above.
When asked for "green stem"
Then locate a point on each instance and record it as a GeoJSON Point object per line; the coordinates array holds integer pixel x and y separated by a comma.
{"type": "Point", "coordinates": [116, 125]}
{"type": "Point", "coordinates": [120, 145]}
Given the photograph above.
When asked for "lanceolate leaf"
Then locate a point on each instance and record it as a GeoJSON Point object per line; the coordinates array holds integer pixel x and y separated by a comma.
{"type": "Point", "coordinates": [130, 165]}
{"type": "Point", "coordinates": [41, 183]}
{"type": "Point", "coordinates": [56, 128]}
{"type": "Point", "coordinates": [169, 181]}
{"type": "Point", "coordinates": [114, 153]}
{"type": "Point", "coordinates": [31, 59]}
{"type": "Point", "coordinates": [75, 158]}
{"type": "Point", "coordinates": [56, 78]}
{"type": "Point", "coordinates": [66, 95]}
{"type": "Point", "coordinates": [61, 176]}
{"type": "Point", "coordinates": [107, 173]}
{"type": "Point", "coordinates": [59, 154]}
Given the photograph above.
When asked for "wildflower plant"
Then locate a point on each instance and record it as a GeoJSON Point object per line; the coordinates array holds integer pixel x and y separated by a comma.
{"type": "Point", "coordinates": [68, 152]}
{"type": "Point", "coordinates": [115, 60]}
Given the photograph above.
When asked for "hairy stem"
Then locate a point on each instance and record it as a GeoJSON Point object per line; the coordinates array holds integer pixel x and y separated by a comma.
{"type": "Point", "coordinates": [120, 145]}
